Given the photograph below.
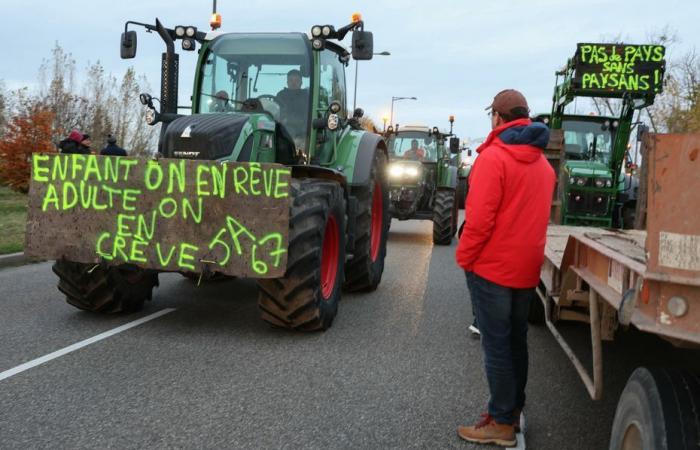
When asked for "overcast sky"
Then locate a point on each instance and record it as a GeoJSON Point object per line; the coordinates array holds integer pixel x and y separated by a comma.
{"type": "Point", "coordinates": [452, 55]}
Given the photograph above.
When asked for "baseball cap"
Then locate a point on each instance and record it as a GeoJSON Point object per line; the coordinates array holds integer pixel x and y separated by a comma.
{"type": "Point", "coordinates": [508, 99]}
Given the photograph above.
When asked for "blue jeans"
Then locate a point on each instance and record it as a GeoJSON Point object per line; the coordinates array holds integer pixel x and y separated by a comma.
{"type": "Point", "coordinates": [501, 314]}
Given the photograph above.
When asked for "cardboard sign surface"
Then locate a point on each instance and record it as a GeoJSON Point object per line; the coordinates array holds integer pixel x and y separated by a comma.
{"type": "Point", "coordinates": [169, 214]}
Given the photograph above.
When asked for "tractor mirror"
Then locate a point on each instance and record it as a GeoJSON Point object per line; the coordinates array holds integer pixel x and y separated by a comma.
{"type": "Point", "coordinates": [362, 45]}
{"type": "Point", "coordinates": [128, 45]}
{"type": "Point", "coordinates": [454, 145]}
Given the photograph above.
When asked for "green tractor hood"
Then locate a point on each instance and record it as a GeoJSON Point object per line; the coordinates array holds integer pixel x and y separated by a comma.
{"type": "Point", "coordinates": [587, 169]}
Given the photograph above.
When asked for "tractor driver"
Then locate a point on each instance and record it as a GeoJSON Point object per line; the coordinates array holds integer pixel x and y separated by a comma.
{"type": "Point", "coordinates": [415, 153]}
{"type": "Point", "coordinates": [221, 103]}
{"type": "Point", "coordinates": [294, 105]}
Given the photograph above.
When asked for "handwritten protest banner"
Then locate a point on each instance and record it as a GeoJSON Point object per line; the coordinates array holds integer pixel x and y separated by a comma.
{"type": "Point", "coordinates": [167, 214]}
{"type": "Point", "coordinates": [608, 68]}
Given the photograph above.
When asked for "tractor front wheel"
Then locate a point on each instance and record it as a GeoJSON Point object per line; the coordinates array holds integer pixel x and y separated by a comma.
{"type": "Point", "coordinates": [101, 289]}
{"type": "Point", "coordinates": [444, 217]}
{"type": "Point", "coordinates": [306, 299]}
{"type": "Point", "coordinates": [364, 271]}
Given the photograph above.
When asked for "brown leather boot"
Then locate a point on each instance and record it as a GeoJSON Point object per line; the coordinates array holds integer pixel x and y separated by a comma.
{"type": "Point", "coordinates": [487, 431]}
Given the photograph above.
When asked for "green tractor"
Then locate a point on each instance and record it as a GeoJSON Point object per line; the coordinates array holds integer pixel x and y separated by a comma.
{"type": "Point", "coordinates": [423, 178]}
{"type": "Point", "coordinates": [270, 98]}
{"type": "Point", "coordinates": [594, 189]}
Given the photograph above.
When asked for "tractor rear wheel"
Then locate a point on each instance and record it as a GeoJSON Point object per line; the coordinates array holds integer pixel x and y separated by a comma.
{"type": "Point", "coordinates": [444, 217]}
{"type": "Point", "coordinates": [306, 299]}
{"type": "Point", "coordinates": [658, 409]}
{"type": "Point", "coordinates": [364, 271]}
{"type": "Point", "coordinates": [101, 289]}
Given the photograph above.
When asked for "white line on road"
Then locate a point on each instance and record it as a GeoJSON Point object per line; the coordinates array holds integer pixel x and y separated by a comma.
{"type": "Point", "coordinates": [78, 345]}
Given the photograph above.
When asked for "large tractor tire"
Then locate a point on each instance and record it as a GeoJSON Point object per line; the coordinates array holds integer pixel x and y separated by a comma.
{"type": "Point", "coordinates": [103, 289]}
{"type": "Point", "coordinates": [461, 192]}
{"type": "Point", "coordinates": [444, 217]}
{"type": "Point", "coordinates": [658, 409]}
{"type": "Point", "coordinates": [364, 271]}
{"type": "Point", "coordinates": [306, 299]}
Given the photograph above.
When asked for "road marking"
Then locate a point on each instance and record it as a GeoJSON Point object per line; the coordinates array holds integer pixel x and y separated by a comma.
{"type": "Point", "coordinates": [78, 345]}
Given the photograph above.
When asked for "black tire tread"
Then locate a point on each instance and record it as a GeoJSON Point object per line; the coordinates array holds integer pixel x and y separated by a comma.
{"type": "Point", "coordinates": [361, 273]}
{"type": "Point", "coordinates": [102, 289]}
{"type": "Point", "coordinates": [444, 217]}
{"type": "Point", "coordinates": [294, 301]}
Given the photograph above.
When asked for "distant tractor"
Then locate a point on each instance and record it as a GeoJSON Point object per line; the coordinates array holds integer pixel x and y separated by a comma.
{"type": "Point", "coordinates": [269, 98]}
{"type": "Point", "coordinates": [593, 187]}
{"type": "Point", "coordinates": [423, 178]}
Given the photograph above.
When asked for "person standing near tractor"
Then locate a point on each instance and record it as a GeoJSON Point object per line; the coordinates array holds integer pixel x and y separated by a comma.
{"type": "Point", "coordinates": [112, 149]}
{"type": "Point", "coordinates": [76, 142]}
{"type": "Point", "coordinates": [501, 251]}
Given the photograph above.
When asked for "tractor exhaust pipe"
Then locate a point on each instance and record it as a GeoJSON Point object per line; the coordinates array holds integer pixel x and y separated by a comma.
{"type": "Point", "coordinates": [169, 72]}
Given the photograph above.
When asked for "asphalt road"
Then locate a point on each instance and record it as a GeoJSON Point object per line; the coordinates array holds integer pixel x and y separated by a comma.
{"type": "Point", "coordinates": [396, 370]}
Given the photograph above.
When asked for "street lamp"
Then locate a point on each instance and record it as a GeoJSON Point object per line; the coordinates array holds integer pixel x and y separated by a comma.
{"type": "Point", "coordinates": [394, 99]}
{"type": "Point", "coordinates": [384, 119]}
{"type": "Point", "coordinates": [354, 97]}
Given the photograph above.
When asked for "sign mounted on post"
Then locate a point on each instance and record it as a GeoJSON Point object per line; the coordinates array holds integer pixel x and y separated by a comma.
{"type": "Point", "coordinates": [166, 215]}
{"type": "Point", "coordinates": [609, 69]}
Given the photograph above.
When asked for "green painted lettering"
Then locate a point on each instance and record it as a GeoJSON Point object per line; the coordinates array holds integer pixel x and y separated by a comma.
{"type": "Point", "coordinates": [176, 172]}
{"type": "Point", "coordinates": [77, 161]}
{"type": "Point", "coordinates": [111, 169]}
{"type": "Point", "coordinates": [153, 168]}
{"type": "Point", "coordinates": [98, 246]}
{"type": "Point", "coordinates": [218, 175]}
{"type": "Point", "coordinates": [281, 185]}
{"type": "Point", "coordinates": [92, 168]}
{"type": "Point", "coordinates": [123, 228]}
{"type": "Point", "coordinates": [142, 229]}
{"type": "Point", "coordinates": [60, 167]}
{"type": "Point", "coordinates": [218, 241]}
{"type": "Point", "coordinates": [202, 183]}
{"type": "Point", "coordinates": [254, 178]}
{"type": "Point", "coordinates": [166, 261]}
{"type": "Point", "coordinates": [37, 170]}
{"type": "Point", "coordinates": [119, 246]}
{"type": "Point", "coordinates": [162, 207]}
{"type": "Point", "coordinates": [184, 257]}
{"type": "Point", "coordinates": [187, 205]}
{"type": "Point", "coordinates": [239, 184]}
{"type": "Point", "coordinates": [129, 196]}
{"type": "Point", "coordinates": [51, 197]}
{"type": "Point", "coordinates": [66, 203]}
{"type": "Point", "coordinates": [128, 164]}
{"type": "Point", "coordinates": [136, 253]}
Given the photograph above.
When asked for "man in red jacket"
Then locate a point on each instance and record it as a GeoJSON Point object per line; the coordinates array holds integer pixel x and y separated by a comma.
{"type": "Point", "coordinates": [501, 251]}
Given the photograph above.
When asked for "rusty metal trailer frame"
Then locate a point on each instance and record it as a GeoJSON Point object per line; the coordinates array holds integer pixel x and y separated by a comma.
{"type": "Point", "coordinates": [609, 278]}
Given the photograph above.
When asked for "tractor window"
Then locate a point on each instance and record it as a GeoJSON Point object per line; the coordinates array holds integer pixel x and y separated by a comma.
{"type": "Point", "coordinates": [587, 141]}
{"type": "Point", "coordinates": [415, 146]}
{"type": "Point", "coordinates": [332, 81]}
{"type": "Point", "coordinates": [275, 69]}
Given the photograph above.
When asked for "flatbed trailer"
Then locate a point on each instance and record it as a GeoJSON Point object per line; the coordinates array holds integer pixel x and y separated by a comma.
{"type": "Point", "coordinates": [649, 280]}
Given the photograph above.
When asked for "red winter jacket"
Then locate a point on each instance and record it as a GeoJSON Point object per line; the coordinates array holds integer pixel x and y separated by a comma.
{"type": "Point", "coordinates": [507, 210]}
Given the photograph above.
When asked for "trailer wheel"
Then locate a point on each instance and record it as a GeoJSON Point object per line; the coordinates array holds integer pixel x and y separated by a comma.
{"type": "Point", "coordinates": [444, 217]}
{"type": "Point", "coordinates": [364, 271]}
{"type": "Point", "coordinates": [658, 409]}
{"type": "Point", "coordinates": [306, 299]}
{"type": "Point", "coordinates": [102, 289]}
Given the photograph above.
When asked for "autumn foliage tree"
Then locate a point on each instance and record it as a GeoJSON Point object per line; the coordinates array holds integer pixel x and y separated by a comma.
{"type": "Point", "coordinates": [25, 133]}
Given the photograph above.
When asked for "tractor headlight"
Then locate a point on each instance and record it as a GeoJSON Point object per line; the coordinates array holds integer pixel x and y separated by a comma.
{"type": "Point", "coordinates": [608, 183]}
{"type": "Point", "coordinates": [317, 44]}
{"type": "Point", "coordinates": [179, 31]}
{"type": "Point", "coordinates": [411, 171]}
{"type": "Point", "coordinates": [403, 171]}
{"type": "Point", "coordinates": [395, 171]}
{"type": "Point", "coordinates": [316, 31]}
{"type": "Point", "coordinates": [326, 30]}
{"type": "Point", "coordinates": [599, 182]}
{"type": "Point", "coordinates": [190, 31]}
{"type": "Point", "coordinates": [150, 116]}
{"type": "Point", "coordinates": [578, 181]}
